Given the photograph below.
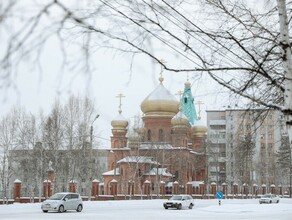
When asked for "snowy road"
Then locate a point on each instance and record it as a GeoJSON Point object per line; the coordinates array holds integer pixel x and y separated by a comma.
{"type": "Point", "coordinates": [153, 209]}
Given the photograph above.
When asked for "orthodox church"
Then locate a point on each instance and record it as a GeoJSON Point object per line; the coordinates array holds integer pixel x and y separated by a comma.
{"type": "Point", "coordinates": [168, 148]}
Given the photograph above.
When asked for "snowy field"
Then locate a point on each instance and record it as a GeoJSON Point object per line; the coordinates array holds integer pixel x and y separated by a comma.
{"type": "Point", "coordinates": [153, 209]}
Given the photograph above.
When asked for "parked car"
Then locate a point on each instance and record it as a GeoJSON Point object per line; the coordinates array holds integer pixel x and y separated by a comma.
{"type": "Point", "coordinates": [269, 198]}
{"type": "Point", "coordinates": [61, 202]}
{"type": "Point", "coordinates": [179, 202]}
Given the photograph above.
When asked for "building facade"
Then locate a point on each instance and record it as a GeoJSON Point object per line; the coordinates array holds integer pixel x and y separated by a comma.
{"type": "Point", "coordinates": [242, 146]}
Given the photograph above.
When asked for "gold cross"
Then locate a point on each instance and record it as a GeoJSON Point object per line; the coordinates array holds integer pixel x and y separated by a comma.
{"type": "Point", "coordinates": [179, 93]}
{"type": "Point", "coordinates": [199, 103]}
{"type": "Point", "coordinates": [120, 96]}
{"type": "Point", "coordinates": [162, 62]}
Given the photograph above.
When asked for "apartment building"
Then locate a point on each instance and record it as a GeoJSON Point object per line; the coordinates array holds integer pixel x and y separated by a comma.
{"type": "Point", "coordinates": [242, 146]}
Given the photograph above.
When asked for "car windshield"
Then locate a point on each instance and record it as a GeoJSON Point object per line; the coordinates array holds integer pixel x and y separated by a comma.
{"type": "Point", "coordinates": [176, 198]}
{"type": "Point", "coordinates": [266, 196]}
{"type": "Point", "coordinates": [57, 196]}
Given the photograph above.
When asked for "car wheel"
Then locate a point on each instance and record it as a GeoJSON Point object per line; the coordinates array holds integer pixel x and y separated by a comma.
{"type": "Point", "coordinates": [277, 201]}
{"type": "Point", "coordinates": [166, 207]}
{"type": "Point", "coordinates": [191, 206]}
{"type": "Point", "coordinates": [270, 201]}
{"type": "Point", "coordinates": [61, 209]}
{"type": "Point", "coordinates": [45, 210]}
{"type": "Point", "coordinates": [179, 206]}
{"type": "Point", "coordinates": [79, 208]}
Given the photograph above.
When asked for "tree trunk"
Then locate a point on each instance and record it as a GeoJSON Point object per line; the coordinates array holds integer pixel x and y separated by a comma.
{"type": "Point", "coordinates": [287, 64]}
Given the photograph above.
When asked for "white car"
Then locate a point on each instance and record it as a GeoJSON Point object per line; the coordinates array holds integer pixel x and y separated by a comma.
{"type": "Point", "coordinates": [269, 198]}
{"type": "Point", "coordinates": [179, 202]}
{"type": "Point", "coordinates": [61, 202]}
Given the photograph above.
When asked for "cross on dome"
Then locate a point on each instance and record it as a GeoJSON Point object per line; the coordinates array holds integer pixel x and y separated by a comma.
{"type": "Point", "coordinates": [199, 103]}
{"type": "Point", "coordinates": [120, 96]}
{"type": "Point", "coordinates": [180, 93]}
{"type": "Point", "coordinates": [161, 61]}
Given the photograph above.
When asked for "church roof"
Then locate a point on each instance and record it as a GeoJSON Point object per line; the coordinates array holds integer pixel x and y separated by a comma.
{"type": "Point", "coordinates": [119, 121]}
{"type": "Point", "coordinates": [137, 159]}
{"type": "Point", "coordinates": [160, 102]}
{"type": "Point", "coordinates": [159, 171]}
{"type": "Point", "coordinates": [155, 146]}
{"type": "Point", "coordinates": [180, 119]}
{"type": "Point", "coordinates": [112, 172]}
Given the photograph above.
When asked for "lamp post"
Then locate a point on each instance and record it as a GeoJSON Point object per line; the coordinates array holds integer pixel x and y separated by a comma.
{"type": "Point", "coordinates": [90, 157]}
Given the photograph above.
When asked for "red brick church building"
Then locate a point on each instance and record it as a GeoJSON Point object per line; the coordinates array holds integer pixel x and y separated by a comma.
{"type": "Point", "coordinates": [166, 149]}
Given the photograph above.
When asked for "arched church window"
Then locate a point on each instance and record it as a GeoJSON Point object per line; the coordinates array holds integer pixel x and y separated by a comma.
{"type": "Point", "coordinates": [186, 100]}
{"type": "Point", "coordinates": [149, 135]}
{"type": "Point", "coordinates": [160, 135]}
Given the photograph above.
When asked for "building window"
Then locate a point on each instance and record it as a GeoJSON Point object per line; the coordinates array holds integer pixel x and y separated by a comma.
{"type": "Point", "coordinates": [186, 100]}
{"type": "Point", "coordinates": [270, 136]}
{"type": "Point", "coordinates": [149, 135]}
{"type": "Point", "coordinates": [270, 145]}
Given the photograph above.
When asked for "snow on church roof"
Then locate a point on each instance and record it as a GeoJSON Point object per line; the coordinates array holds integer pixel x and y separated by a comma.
{"type": "Point", "coordinates": [160, 93]}
{"type": "Point", "coordinates": [137, 159]}
{"type": "Point", "coordinates": [112, 172]}
{"type": "Point", "coordinates": [155, 146]}
{"type": "Point", "coordinates": [159, 171]}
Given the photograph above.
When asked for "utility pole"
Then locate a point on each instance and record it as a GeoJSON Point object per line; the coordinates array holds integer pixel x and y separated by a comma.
{"type": "Point", "coordinates": [90, 158]}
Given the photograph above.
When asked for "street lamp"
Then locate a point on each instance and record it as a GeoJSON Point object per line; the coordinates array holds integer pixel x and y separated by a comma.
{"type": "Point", "coordinates": [90, 156]}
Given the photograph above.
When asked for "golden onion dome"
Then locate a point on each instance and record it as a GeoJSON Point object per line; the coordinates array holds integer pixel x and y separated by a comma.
{"type": "Point", "coordinates": [119, 122]}
{"type": "Point", "coordinates": [160, 102]}
{"type": "Point", "coordinates": [199, 129]}
{"type": "Point", "coordinates": [180, 120]}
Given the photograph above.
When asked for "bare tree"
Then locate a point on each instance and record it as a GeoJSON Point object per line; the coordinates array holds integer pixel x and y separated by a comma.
{"type": "Point", "coordinates": [242, 49]}
{"type": "Point", "coordinates": [244, 153]}
{"type": "Point", "coordinates": [18, 131]}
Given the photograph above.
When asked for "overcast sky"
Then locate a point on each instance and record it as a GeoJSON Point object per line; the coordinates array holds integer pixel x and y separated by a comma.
{"type": "Point", "coordinates": [112, 73]}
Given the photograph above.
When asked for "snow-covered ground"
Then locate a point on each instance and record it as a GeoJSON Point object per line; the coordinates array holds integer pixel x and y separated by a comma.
{"type": "Point", "coordinates": [153, 209]}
